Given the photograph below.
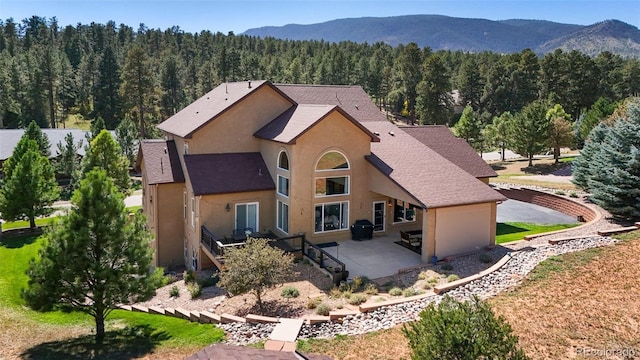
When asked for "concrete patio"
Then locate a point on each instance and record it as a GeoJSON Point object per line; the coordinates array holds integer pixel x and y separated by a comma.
{"type": "Point", "coordinates": [374, 258]}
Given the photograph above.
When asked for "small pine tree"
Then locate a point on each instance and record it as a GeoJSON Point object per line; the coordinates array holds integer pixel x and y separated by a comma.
{"type": "Point", "coordinates": [455, 330]}
{"type": "Point", "coordinates": [67, 159]}
{"type": "Point", "coordinates": [528, 130]}
{"type": "Point", "coordinates": [255, 268]}
{"type": "Point", "coordinates": [34, 132]}
{"type": "Point", "coordinates": [105, 153]}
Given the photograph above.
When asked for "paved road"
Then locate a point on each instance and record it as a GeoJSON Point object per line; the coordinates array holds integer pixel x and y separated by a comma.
{"type": "Point", "coordinates": [518, 211]}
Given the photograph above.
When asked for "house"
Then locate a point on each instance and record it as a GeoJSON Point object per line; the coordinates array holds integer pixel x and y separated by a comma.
{"type": "Point", "coordinates": [305, 159]}
{"type": "Point", "coordinates": [9, 138]}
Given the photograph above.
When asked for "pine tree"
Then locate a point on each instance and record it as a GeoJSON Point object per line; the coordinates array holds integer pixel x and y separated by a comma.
{"type": "Point", "coordinates": [34, 132]}
{"type": "Point", "coordinates": [581, 167]}
{"type": "Point", "coordinates": [106, 93]}
{"type": "Point", "coordinates": [137, 86]}
{"type": "Point", "coordinates": [528, 130]}
{"type": "Point", "coordinates": [95, 258]}
{"type": "Point", "coordinates": [127, 135]}
{"type": "Point", "coordinates": [67, 160]}
{"type": "Point", "coordinates": [434, 103]}
{"type": "Point", "coordinates": [105, 153]}
{"type": "Point", "coordinates": [560, 130]}
{"type": "Point", "coordinates": [29, 186]}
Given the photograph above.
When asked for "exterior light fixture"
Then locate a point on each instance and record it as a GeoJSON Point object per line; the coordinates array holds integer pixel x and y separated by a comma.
{"type": "Point", "coordinates": [228, 207]}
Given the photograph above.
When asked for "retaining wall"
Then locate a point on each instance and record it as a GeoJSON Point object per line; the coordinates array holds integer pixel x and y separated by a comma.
{"type": "Point", "coordinates": [551, 201]}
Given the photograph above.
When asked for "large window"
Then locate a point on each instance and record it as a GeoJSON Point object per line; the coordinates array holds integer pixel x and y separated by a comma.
{"type": "Point", "coordinates": [332, 160]}
{"type": "Point", "coordinates": [403, 211]}
{"type": "Point", "coordinates": [283, 160]}
{"type": "Point", "coordinates": [247, 216]}
{"type": "Point", "coordinates": [332, 186]}
{"type": "Point", "coordinates": [283, 185]}
{"type": "Point", "coordinates": [283, 216]}
{"type": "Point", "coordinates": [332, 216]}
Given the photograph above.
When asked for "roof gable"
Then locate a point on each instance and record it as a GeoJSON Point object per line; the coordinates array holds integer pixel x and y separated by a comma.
{"type": "Point", "coordinates": [210, 106]}
{"type": "Point", "coordinates": [352, 99]}
{"type": "Point", "coordinates": [422, 172]}
{"type": "Point", "coordinates": [227, 173]}
{"type": "Point", "coordinates": [298, 119]}
{"type": "Point", "coordinates": [458, 151]}
{"type": "Point", "coordinates": [161, 162]}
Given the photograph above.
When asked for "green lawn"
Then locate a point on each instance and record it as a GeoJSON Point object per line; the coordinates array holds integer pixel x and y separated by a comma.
{"type": "Point", "coordinates": [512, 231]}
{"type": "Point", "coordinates": [131, 334]}
{"type": "Point", "coordinates": [25, 224]}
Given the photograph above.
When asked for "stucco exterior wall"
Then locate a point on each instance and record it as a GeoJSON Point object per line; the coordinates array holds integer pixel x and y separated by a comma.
{"type": "Point", "coordinates": [463, 229]}
{"type": "Point", "coordinates": [334, 133]}
{"type": "Point", "coordinates": [169, 234]}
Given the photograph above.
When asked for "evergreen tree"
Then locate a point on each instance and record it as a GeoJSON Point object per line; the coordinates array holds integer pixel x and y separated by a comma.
{"type": "Point", "coordinates": [173, 97]}
{"type": "Point", "coordinates": [96, 257]}
{"type": "Point", "coordinates": [582, 170]}
{"type": "Point", "coordinates": [126, 133]}
{"type": "Point", "coordinates": [67, 160]}
{"type": "Point", "coordinates": [29, 186]}
{"type": "Point", "coordinates": [434, 103]}
{"type": "Point", "coordinates": [613, 173]}
{"type": "Point", "coordinates": [454, 330]}
{"type": "Point", "coordinates": [34, 132]}
{"type": "Point", "coordinates": [105, 153]}
{"type": "Point", "coordinates": [469, 127]}
{"type": "Point", "coordinates": [409, 70]}
{"type": "Point", "coordinates": [497, 133]}
{"type": "Point", "coordinates": [470, 83]}
{"type": "Point", "coordinates": [106, 93]}
{"type": "Point", "coordinates": [528, 130]}
{"type": "Point", "coordinates": [598, 112]}
{"type": "Point", "coordinates": [137, 86]}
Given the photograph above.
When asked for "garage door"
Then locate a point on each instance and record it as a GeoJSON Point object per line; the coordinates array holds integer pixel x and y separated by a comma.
{"type": "Point", "coordinates": [462, 229]}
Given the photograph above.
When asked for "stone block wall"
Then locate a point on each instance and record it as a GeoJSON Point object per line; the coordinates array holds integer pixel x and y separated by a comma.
{"type": "Point", "coordinates": [551, 201]}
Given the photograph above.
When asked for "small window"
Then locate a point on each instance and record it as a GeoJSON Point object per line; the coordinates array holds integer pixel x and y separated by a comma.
{"type": "Point", "coordinates": [331, 186]}
{"type": "Point", "coordinates": [283, 216]}
{"type": "Point", "coordinates": [332, 160]}
{"type": "Point", "coordinates": [283, 160]}
{"type": "Point", "coordinates": [283, 186]}
{"type": "Point", "coordinates": [186, 148]}
{"type": "Point", "coordinates": [184, 205]}
{"type": "Point", "coordinates": [404, 212]}
{"type": "Point", "coordinates": [193, 211]}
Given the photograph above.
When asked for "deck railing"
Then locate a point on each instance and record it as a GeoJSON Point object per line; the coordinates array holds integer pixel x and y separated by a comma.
{"type": "Point", "coordinates": [325, 260]}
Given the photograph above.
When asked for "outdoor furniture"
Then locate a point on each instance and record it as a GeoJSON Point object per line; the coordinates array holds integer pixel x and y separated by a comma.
{"type": "Point", "coordinates": [412, 240]}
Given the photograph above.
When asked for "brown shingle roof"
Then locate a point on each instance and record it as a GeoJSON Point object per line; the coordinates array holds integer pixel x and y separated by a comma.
{"type": "Point", "coordinates": [230, 352]}
{"type": "Point", "coordinates": [208, 107]}
{"type": "Point", "coordinates": [294, 122]}
{"type": "Point", "coordinates": [422, 172]}
{"type": "Point", "coordinates": [456, 150]}
{"type": "Point", "coordinates": [352, 99]}
{"type": "Point", "coordinates": [227, 173]}
{"type": "Point", "coordinates": [161, 161]}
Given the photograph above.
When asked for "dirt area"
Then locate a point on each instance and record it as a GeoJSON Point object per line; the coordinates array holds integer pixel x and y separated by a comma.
{"type": "Point", "coordinates": [591, 302]}
{"type": "Point", "coordinates": [544, 172]}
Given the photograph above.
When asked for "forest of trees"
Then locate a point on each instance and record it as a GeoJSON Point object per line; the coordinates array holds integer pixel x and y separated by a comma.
{"type": "Point", "coordinates": [115, 72]}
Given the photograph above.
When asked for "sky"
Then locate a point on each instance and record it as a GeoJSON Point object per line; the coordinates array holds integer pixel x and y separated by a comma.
{"type": "Point", "coordinates": [239, 15]}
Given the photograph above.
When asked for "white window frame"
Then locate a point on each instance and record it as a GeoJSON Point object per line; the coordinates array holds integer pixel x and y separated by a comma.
{"type": "Point", "coordinates": [405, 206]}
{"type": "Point", "coordinates": [288, 184]}
{"type": "Point", "coordinates": [279, 218]}
{"type": "Point", "coordinates": [384, 215]}
{"type": "Point", "coordinates": [186, 148]}
{"type": "Point", "coordinates": [235, 220]}
{"type": "Point", "coordinates": [344, 223]}
{"type": "Point", "coordinates": [288, 160]}
{"type": "Point", "coordinates": [336, 151]}
{"type": "Point", "coordinates": [184, 205]}
{"type": "Point", "coordinates": [193, 211]}
{"type": "Point", "coordinates": [347, 186]}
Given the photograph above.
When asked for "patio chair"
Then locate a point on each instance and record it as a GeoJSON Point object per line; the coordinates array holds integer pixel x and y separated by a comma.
{"type": "Point", "coordinates": [409, 240]}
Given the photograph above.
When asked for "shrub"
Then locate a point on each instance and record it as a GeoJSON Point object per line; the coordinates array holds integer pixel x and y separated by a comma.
{"type": "Point", "coordinates": [170, 278]}
{"type": "Point", "coordinates": [174, 291]}
{"type": "Point", "coordinates": [573, 194]}
{"type": "Point", "coordinates": [453, 277]}
{"type": "Point", "coordinates": [346, 294]}
{"type": "Point", "coordinates": [289, 292]}
{"type": "Point", "coordinates": [335, 293]}
{"type": "Point", "coordinates": [195, 290]}
{"type": "Point", "coordinates": [189, 276]}
{"type": "Point", "coordinates": [443, 332]}
{"type": "Point", "coordinates": [395, 291]}
{"type": "Point", "coordinates": [344, 286]}
{"type": "Point", "coordinates": [339, 306]}
{"type": "Point", "coordinates": [371, 289]}
{"type": "Point", "coordinates": [358, 282]}
{"type": "Point", "coordinates": [323, 309]}
{"type": "Point", "coordinates": [209, 280]}
{"type": "Point", "coordinates": [410, 292]}
{"type": "Point", "coordinates": [357, 299]}
{"type": "Point", "coordinates": [446, 267]}
{"type": "Point", "coordinates": [423, 275]}
{"type": "Point", "coordinates": [485, 258]}
{"type": "Point", "coordinates": [313, 303]}
{"type": "Point", "coordinates": [560, 192]}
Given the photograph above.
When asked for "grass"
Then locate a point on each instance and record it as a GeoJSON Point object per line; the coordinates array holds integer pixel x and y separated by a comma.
{"type": "Point", "coordinates": [59, 335]}
{"type": "Point", "coordinates": [25, 224]}
{"type": "Point", "coordinates": [76, 121]}
{"type": "Point", "coordinates": [583, 300]}
{"type": "Point", "coordinates": [512, 231]}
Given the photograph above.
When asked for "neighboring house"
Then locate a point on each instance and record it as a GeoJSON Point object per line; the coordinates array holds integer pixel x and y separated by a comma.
{"type": "Point", "coordinates": [9, 138]}
{"type": "Point", "coordinates": [306, 159]}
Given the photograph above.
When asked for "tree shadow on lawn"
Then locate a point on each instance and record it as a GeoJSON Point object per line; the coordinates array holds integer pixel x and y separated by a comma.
{"type": "Point", "coordinates": [543, 169]}
{"type": "Point", "coordinates": [17, 242]}
{"type": "Point", "coordinates": [128, 343]}
{"type": "Point", "coordinates": [503, 229]}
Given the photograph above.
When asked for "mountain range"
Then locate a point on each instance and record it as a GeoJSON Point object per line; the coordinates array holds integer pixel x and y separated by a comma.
{"type": "Point", "coordinates": [473, 35]}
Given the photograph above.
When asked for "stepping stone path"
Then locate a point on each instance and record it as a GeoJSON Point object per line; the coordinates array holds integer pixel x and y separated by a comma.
{"type": "Point", "coordinates": [284, 335]}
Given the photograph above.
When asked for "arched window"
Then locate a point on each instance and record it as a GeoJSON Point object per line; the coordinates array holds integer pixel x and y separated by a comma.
{"type": "Point", "coordinates": [332, 160]}
{"type": "Point", "coordinates": [283, 160]}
